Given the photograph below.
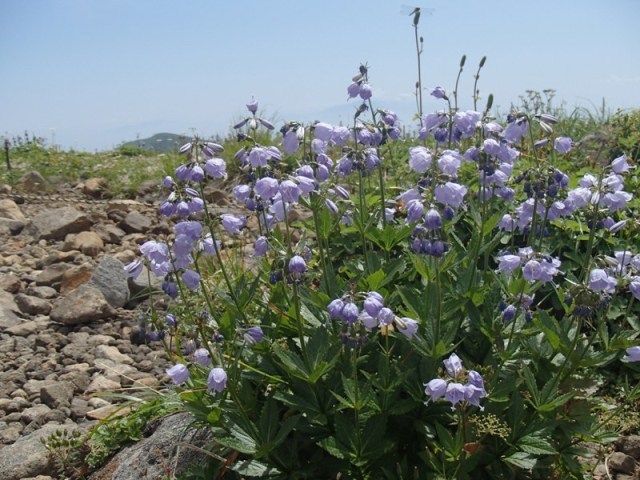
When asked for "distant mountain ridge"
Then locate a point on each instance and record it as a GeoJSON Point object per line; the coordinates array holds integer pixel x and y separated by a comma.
{"type": "Point", "coordinates": [160, 142]}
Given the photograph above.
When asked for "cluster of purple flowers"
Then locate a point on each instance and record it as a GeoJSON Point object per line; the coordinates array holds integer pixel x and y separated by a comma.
{"type": "Point", "coordinates": [453, 389]}
{"type": "Point", "coordinates": [169, 263]}
{"type": "Point", "coordinates": [536, 267]}
{"type": "Point", "coordinates": [216, 380]}
{"type": "Point", "coordinates": [373, 314]}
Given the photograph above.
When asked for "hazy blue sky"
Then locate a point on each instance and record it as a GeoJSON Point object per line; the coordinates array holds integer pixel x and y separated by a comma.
{"type": "Point", "coordinates": [99, 72]}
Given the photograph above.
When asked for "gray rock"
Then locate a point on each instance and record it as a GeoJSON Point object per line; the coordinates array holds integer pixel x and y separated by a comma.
{"type": "Point", "coordinates": [88, 243]}
{"type": "Point", "coordinates": [8, 318]}
{"type": "Point", "coordinates": [9, 282]}
{"type": "Point", "coordinates": [110, 233]}
{"type": "Point", "coordinates": [11, 227]}
{"type": "Point", "coordinates": [26, 328]}
{"type": "Point", "coordinates": [28, 457]}
{"type": "Point", "coordinates": [32, 305]}
{"type": "Point", "coordinates": [631, 446]}
{"type": "Point", "coordinates": [111, 279]}
{"type": "Point", "coordinates": [620, 462]}
{"type": "Point", "coordinates": [103, 384]}
{"type": "Point", "coordinates": [107, 352]}
{"type": "Point", "coordinates": [144, 284]}
{"type": "Point", "coordinates": [135, 222]}
{"type": "Point", "coordinates": [56, 224]}
{"type": "Point", "coordinates": [37, 414]}
{"type": "Point", "coordinates": [57, 394]}
{"type": "Point", "coordinates": [9, 209]}
{"type": "Point", "coordinates": [42, 292]}
{"type": "Point", "coordinates": [84, 304]}
{"type": "Point", "coordinates": [146, 459]}
{"type": "Point", "coordinates": [52, 274]}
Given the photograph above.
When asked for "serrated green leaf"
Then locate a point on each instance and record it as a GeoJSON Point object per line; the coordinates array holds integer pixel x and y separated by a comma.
{"type": "Point", "coordinates": [254, 468]}
{"type": "Point", "coordinates": [521, 460]}
{"type": "Point", "coordinates": [240, 445]}
{"type": "Point", "coordinates": [535, 445]}
{"type": "Point", "coordinates": [330, 444]}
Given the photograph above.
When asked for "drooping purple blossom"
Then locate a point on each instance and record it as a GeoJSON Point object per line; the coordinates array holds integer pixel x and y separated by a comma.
{"type": "Point", "coordinates": [232, 224]}
{"type": "Point", "coordinates": [179, 373]}
{"type": "Point", "coordinates": [201, 357]}
{"type": "Point", "coordinates": [266, 188]}
{"type": "Point", "coordinates": [217, 380]}
{"type": "Point", "coordinates": [451, 194]}
{"type": "Point", "coordinates": [563, 144]}
{"type": "Point", "coordinates": [297, 265]}
{"type": "Point", "coordinates": [633, 354]}
{"type": "Point", "coordinates": [253, 335]}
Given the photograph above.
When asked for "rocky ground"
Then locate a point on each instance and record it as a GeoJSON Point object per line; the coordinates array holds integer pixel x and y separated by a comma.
{"type": "Point", "coordinates": [69, 331]}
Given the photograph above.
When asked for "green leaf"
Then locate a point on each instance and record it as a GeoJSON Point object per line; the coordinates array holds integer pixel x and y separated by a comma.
{"type": "Point", "coordinates": [550, 328]}
{"type": "Point", "coordinates": [330, 444]}
{"type": "Point", "coordinates": [535, 445]}
{"type": "Point", "coordinates": [521, 460]}
{"type": "Point", "coordinates": [242, 445]}
{"type": "Point", "coordinates": [531, 385]}
{"type": "Point", "coordinates": [254, 468]}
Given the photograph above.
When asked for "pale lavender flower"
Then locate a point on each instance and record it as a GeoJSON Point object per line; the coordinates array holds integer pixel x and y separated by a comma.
{"type": "Point", "coordinates": [634, 287]}
{"type": "Point", "coordinates": [133, 269]}
{"type": "Point", "coordinates": [259, 157]}
{"type": "Point", "coordinates": [415, 209]}
{"type": "Point", "coordinates": [466, 122]}
{"type": "Point", "coordinates": [178, 374]}
{"type": "Point", "coordinates": [439, 93]}
{"type": "Point", "coordinates": [241, 192]}
{"type": "Point", "coordinates": [508, 263]}
{"type": "Point", "coordinates": [450, 194]}
{"type": "Point", "coordinates": [266, 188]}
{"type": "Point", "coordinates": [335, 308]}
{"type": "Point", "coordinates": [620, 165]}
{"type": "Point", "coordinates": [253, 335]}
{"type": "Point", "coordinates": [601, 281]}
{"type": "Point", "coordinates": [297, 264]}
{"type": "Point", "coordinates": [368, 321]}
{"type": "Point", "coordinates": [191, 279]}
{"type": "Point", "coordinates": [407, 326]}
{"type": "Point", "coordinates": [432, 219]}
{"type": "Point", "coordinates": [385, 316]}
{"type": "Point", "coordinates": [350, 312]}
{"type": "Point", "coordinates": [532, 270]}
{"type": "Point", "coordinates": [633, 354]}
{"type": "Point", "coordinates": [455, 393]}
{"type": "Point", "coordinates": [331, 205]}
{"type": "Point", "coordinates": [563, 144]}
{"type": "Point", "coordinates": [261, 246]}
{"type": "Point", "coordinates": [419, 159]}
{"type": "Point", "coordinates": [323, 131]}
{"type": "Point", "coordinates": [453, 364]}
{"type": "Point", "coordinates": [232, 224]}
{"type": "Point", "coordinates": [373, 304]}
{"type": "Point", "coordinates": [289, 191]}
{"type": "Point", "coordinates": [353, 90]}
{"type": "Point", "coordinates": [474, 393]}
{"type": "Point", "coordinates": [252, 106]}
{"type": "Point", "coordinates": [507, 223]}
{"type": "Point", "coordinates": [217, 380]}
{"type": "Point", "coordinates": [290, 142]}
{"type": "Point", "coordinates": [201, 356]}
{"type": "Point", "coordinates": [516, 130]}
{"type": "Point", "coordinates": [616, 200]}
{"type": "Point", "coordinates": [365, 91]}
{"type": "Point", "coordinates": [435, 388]}
{"type": "Point", "coordinates": [216, 167]}
{"type": "Point", "coordinates": [449, 162]}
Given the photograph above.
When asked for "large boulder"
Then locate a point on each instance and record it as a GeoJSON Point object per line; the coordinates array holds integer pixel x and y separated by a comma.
{"type": "Point", "coordinates": [56, 224]}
